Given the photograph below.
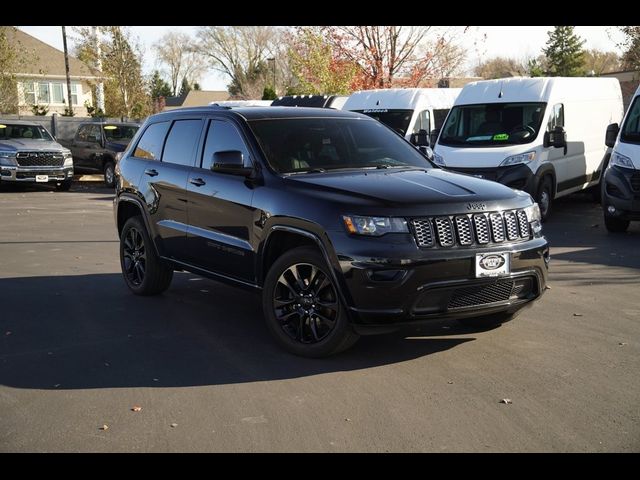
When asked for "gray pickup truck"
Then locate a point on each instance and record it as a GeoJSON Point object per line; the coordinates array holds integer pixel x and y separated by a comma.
{"type": "Point", "coordinates": [96, 145]}
{"type": "Point", "coordinates": [29, 153]}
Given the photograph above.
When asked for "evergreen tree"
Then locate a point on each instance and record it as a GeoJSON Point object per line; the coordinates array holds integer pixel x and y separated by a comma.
{"type": "Point", "coordinates": [159, 87]}
{"type": "Point", "coordinates": [185, 87]}
{"type": "Point", "coordinates": [564, 53]}
{"type": "Point", "coordinates": [269, 94]}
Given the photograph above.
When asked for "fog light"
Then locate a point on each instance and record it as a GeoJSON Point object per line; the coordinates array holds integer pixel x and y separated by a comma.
{"type": "Point", "coordinates": [611, 209]}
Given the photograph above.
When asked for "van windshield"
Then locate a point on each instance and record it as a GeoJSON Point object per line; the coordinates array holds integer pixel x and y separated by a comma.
{"type": "Point", "coordinates": [300, 145]}
{"type": "Point", "coordinates": [397, 120]}
{"type": "Point", "coordinates": [631, 128]}
{"type": "Point", "coordinates": [492, 124]}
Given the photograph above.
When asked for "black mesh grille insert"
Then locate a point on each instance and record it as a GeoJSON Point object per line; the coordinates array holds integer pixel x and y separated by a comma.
{"type": "Point", "coordinates": [40, 159]}
{"type": "Point", "coordinates": [481, 294]}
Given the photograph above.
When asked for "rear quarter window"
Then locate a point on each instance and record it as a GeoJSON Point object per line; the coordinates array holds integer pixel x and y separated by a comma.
{"type": "Point", "coordinates": [150, 145]}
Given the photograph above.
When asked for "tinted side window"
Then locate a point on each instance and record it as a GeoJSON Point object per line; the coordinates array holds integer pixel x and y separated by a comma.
{"type": "Point", "coordinates": [94, 134]}
{"type": "Point", "coordinates": [222, 136]}
{"type": "Point", "coordinates": [556, 119]}
{"type": "Point", "coordinates": [182, 142]}
{"type": "Point", "coordinates": [150, 145]}
{"type": "Point", "coordinates": [439, 115]}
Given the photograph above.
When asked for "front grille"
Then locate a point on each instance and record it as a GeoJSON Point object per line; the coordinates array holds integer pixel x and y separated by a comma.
{"type": "Point", "coordinates": [481, 294]}
{"type": "Point", "coordinates": [635, 182]}
{"type": "Point", "coordinates": [465, 230]}
{"type": "Point", "coordinates": [40, 159]}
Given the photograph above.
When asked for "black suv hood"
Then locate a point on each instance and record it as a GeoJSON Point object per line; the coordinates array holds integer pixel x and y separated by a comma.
{"type": "Point", "coordinates": [407, 187]}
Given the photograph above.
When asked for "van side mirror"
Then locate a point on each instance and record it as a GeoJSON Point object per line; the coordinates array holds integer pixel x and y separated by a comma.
{"type": "Point", "coordinates": [556, 138]}
{"type": "Point", "coordinates": [420, 139]}
{"type": "Point", "coordinates": [231, 162]}
{"type": "Point", "coordinates": [433, 136]}
{"type": "Point", "coordinates": [611, 135]}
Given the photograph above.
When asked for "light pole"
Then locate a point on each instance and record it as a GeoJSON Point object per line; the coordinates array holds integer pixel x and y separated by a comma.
{"type": "Point", "coordinates": [272, 62]}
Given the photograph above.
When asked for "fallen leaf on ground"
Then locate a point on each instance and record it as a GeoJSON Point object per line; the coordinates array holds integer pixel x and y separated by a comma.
{"type": "Point", "coordinates": [174, 425]}
{"type": "Point", "coordinates": [506, 401]}
{"type": "Point", "coordinates": [347, 419]}
{"type": "Point", "coordinates": [577, 314]}
{"type": "Point", "coordinates": [548, 287]}
{"type": "Point", "coordinates": [622, 343]}
{"type": "Point", "coordinates": [450, 382]}
{"type": "Point", "coordinates": [104, 427]}
{"type": "Point", "coordinates": [136, 408]}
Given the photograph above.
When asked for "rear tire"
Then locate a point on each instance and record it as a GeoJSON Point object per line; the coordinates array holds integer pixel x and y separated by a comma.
{"type": "Point", "coordinates": [544, 197]}
{"type": "Point", "coordinates": [143, 272]}
{"type": "Point", "coordinates": [616, 225]}
{"type": "Point", "coordinates": [302, 306]}
{"type": "Point", "coordinates": [110, 174]}
{"type": "Point", "coordinates": [64, 186]}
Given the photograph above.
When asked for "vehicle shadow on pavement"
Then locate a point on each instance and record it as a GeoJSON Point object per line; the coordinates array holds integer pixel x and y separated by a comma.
{"type": "Point", "coordinates": [89, 331]}
{"type": "Point", "coordinates": [576, 233]}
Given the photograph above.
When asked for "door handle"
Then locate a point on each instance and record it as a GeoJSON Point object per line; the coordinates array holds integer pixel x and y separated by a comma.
{"type": "Point", "coordinates": [198, 182]}
{"type": "Point", "coordinates": [152, 172]}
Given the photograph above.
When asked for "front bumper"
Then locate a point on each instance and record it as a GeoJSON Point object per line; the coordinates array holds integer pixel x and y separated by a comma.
{"type": "Point", "coordinates": [516, 176]}
{"type": "Point", "coordinates": [28, 174]}
{"type": "Point", "coordinates": [622, 191]}
{"type": "Point", "coordinates": [426, 284]}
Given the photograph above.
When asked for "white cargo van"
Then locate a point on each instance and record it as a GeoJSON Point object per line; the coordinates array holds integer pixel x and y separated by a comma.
{"type": "Point", "coordinates": [621, 180]}
{"type": "Point", "coordinates": [406, 110]}
{"type": "Point", "coordinates": [542, 135]}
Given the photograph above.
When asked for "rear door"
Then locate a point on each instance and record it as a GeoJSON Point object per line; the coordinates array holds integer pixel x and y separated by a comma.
{"type": "Point", "coordinates": [79, 146]}
{"type": "Point", "coordinates": [168, 150]}
{"type": "Point", "coordinates": [220, 213]}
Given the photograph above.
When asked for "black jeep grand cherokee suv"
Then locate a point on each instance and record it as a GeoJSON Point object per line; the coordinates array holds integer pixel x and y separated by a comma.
{"type": "Point", "coordinates": [344, 226]}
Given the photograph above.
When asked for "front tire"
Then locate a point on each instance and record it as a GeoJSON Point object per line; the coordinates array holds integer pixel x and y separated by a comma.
{"type": "Point", "coordinates": [64, 186]}
{"type": "Point", "coordinates": [616, 225]}
{"type": "Point", "coordinates": [144, 273]}
{"type": "Point", "coordinates": [302, 306]}
{"type": "Point", "coordinates": [544, 197]}
{"type": "Point", "coordinates": [109, 174]}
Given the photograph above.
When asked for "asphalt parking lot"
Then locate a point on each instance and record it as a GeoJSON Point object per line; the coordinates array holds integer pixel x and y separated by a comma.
{"type": "Point", "coordinates": [78, 352]}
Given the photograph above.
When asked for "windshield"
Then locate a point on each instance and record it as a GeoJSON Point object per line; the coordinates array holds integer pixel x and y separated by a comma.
{"type": "Point", "coordinates": [31, 132]}
{"type": "Point", "coordinates": [319, 144]}
{"type": "Point", "coordinates": [492, 124]}
{"type": "Point", "coordinates": [397, 120]}
{"type": "Point", "coordinates": [631, 128]}
{"type": "Point", "coordinates": [120, 133]}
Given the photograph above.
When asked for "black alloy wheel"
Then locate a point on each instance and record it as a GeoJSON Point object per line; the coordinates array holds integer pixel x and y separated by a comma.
{"type": "Point", "coordinates": [135, 257]}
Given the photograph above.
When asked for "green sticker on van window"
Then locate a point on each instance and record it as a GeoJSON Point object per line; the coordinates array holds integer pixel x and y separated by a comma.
{"type": "Point", "coordinates": [501, 136]}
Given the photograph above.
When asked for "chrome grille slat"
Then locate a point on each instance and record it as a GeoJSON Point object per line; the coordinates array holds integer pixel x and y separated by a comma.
{"type": "Point", "coordinates": [497, 227]}
{"type": "Point", "coordinates": [512, 225]}
{"type": "Point", "coordinates": [444, 231]}
{"type": "Point", "coordinates": [423, 232]}
{"type": "Point", "coordinates": [463, 229]}
{"type": "Point", "coordinates": [482, 229]}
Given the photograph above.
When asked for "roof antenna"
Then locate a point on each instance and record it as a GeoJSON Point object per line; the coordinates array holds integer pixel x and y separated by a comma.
{"type": "Point", "coordinates": [500, 94]}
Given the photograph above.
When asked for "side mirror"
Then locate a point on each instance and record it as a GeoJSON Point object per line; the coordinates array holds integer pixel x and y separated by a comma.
{"type": "Point", "coordinates": [420, 139]}
{"type": "Point", "coordinates": [611, 135]}
{"type": "Point", "coordinates": [231, 162]}
{"type": "Point", "coordinates": [556, 138]}
{"type": "Point", "coordinates": [433, 136]}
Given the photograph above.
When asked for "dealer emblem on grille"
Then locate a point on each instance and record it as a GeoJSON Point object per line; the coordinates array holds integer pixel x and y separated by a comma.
{"type": "Point", "coordinates": [491, 262]}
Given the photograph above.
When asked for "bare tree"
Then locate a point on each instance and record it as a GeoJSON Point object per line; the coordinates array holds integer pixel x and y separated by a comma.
{"type": "Point", "coordinates": [175, 52]}
{"type": "Point", "coordinates": [395, 55]}
{"type": "Point", "coordinates": [501, 67]}
{"type": "Point", "coordinates": [241, 53]}
{"type": "Point", "coordinates": [600, 62]}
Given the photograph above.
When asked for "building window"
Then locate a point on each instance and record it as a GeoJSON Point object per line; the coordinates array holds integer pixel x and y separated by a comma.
{"type": "Point", "coordinates": [29, 93]}
{"type": "Point", "coordinates": [50, 93]}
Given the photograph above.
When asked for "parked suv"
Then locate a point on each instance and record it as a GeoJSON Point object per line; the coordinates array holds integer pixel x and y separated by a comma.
{"type": "Point", "coordinates": [30, 154]}
{"type": "Point", "coordinates": [95, 147]}
{"type": "Point", "coordinates": [344, 226]}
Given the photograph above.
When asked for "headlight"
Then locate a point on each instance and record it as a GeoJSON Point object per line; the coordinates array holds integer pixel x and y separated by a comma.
{"type": "Point", "coordinates": [68, 159]}
{"type": "Point", "coordinates": [520, 158]}
{"type": "Point", "coordinates": [374, 226]}
{"type": "Point", "coordinates": [438, 159]}
{"type": "Point", "coordinates": [534, 217]}
{"type": "Point", "coordinates": [8, 159]}
{"type": "Point", "coordinates": [621, 160]}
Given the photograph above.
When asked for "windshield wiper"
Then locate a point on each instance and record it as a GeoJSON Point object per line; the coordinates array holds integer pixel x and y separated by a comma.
{"type": "Point", "coordinates": [310, 170]}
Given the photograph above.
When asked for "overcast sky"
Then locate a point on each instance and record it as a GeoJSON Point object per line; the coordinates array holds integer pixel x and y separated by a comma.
{"type": "Point", "coordinates": [509, 41]}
